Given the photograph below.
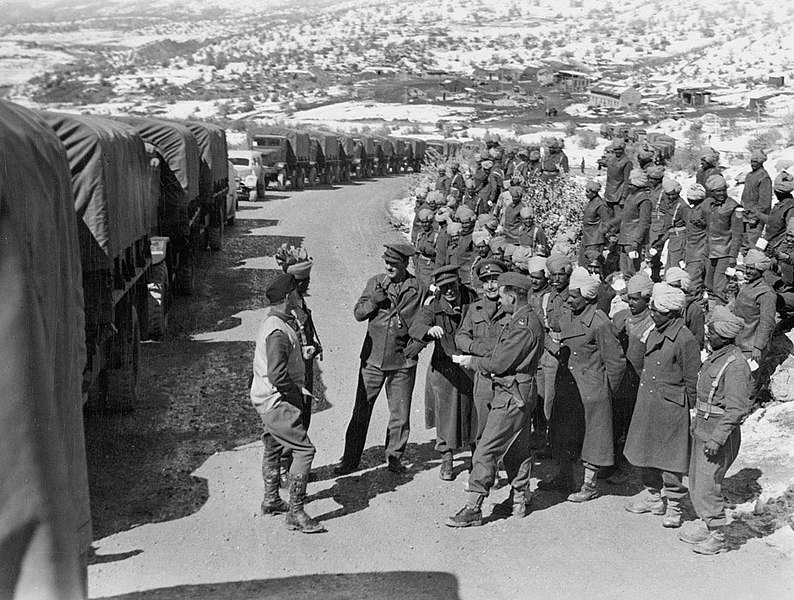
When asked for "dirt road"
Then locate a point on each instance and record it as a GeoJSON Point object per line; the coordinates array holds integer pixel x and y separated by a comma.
{"type": "Point", "coordinates": [176, 486]}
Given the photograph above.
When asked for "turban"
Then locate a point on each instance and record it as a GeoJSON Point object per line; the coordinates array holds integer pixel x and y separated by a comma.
{"type": "Point", "coordinates": [301, 270]}
{"type": "Point", "coordinates": [784, 182]}
{"type": "Point", "coordinates": [534, 155]}
{"type": "Point", "coordinates": [757, 259]}
{"type": "Point", "coordinates": [425, 214]}
{"type": "Point", "coordinates": [536, 264]}
{"type": "Point", "coordinates": [485, 155]}
{"type": "Point", "coordinates": [617, 144]}
{"type": "Point", "coordinates": [454, 228]}
{"type": "Point", "coordinates": [584, 282]}
{"type": "Point", "coordinates": [480, 237]}
{"type": "Point", "coordinates": [420, 192]}
{"type": "Point", "coordinates": [280, 287]}
{"type": "Point", "coordinates": [696, 192]}
{"type": "Point", "coordinates": [638, 178]}
{"type": "Point", "coordinates": [453, 193]}
{"type": "Point", "coordinates": [790, 226]}
{"type": "Point", "coordinates": [522, 255]}
{"type": "Point", "coordinates": [619, 284]}
{"type": "Point", "coordinates": [523, 152]}
{"type": "Point", "coordinates": [716, 182]}
{"type": "Point", "coordinates": [645, 153]}
{"type": "Point", "coordinates": [526, 211]}
{"type": "Point", "coordinates": [487, 164]}
{"type": "Point", "coordinates": [436, 198]}
{"type": "Point", "coordinates": [516, 192]}
{"type": "Point", "coordinates": [497, 244]}
{"type": "Point", "coordinates": [510, 249]}
{"type": "Point", "coordinates": [488, 221]}
{"type": "Point", "coordinates": [592, 186]}
{"type": "Point", "coordinates": [725, 324]}
{"type": "Point", "coordinates": [443, 214]}
{"type": "Point", "coordinates": [711, 156]}
{"type": "Point", "coordinates": [496, 153]}
{"type": "Point", "coordinates": [758, 155]}
{"type": "Point", "coordinates": [558, 262]}
{"type": "Point", "coordinates": [465, 214]}
{"type": "Point", "coordinates": [678, 275]}
{"type": "Point", "coordinates": [454, 165]}
{"type": "Point", "coordinates": [666, 298]}
{"type": "Point", "coordinates": [671, 186]}
{"type": "Point", "coordinates": [655, 172]}
{"type": "Point", "coordinates": [639, 283]}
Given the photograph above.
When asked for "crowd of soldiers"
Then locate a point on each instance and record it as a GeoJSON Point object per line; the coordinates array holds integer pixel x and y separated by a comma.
{"type": "Point", "coordinates": [645, 355]}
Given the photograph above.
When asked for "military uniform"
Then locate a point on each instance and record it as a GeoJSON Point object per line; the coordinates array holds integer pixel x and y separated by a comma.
{"type": "Point", "coordinates": [617, 182]}
{"type": "Point", "coordinates": [675, 221]}
{"type": "Point", "coordinates": [425, 257]}
{"type": "Point", "coordinates": [755, 303]}
{"type": "Point", "coordinates": [511, 221]}
{"type": "Point", "coordinates": [657, 232]}
{"type": "Point", "coordinates": [695, 321]}
{"type": "Point", "coordinates": [724, 237]}
{"type": "Point", "coordinates": [756, 197]}
{"type": "Point", "coordinates": [534, 237]}
{"type": "Point", "coordinates": [383, 362]}
{"type": "Point", "coordinates": [595, 217]}
{"type": "Point", "coordinates": [634, 226]}
{"type": "Point", "coordinates": [696, 246]}
{"type": "Point", "coordinates": [557, 311]}
{"type": "Point", "coordinates": [552, 165]}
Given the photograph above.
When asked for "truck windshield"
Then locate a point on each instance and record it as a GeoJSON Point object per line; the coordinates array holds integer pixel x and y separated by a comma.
{"type": "Point", "coordinates": [267, 141]}
{"type": "Point", "coordinates": [239, 161]}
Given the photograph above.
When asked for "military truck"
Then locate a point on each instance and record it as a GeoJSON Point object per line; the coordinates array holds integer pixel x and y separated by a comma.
{"type": "Point", "coordinates": [363, 163]}
{"type": "Point", "coordinates": [328, 149]}
{"type": "Point", "coordinates": [400, 153]}
{"type": "Point", "coordinates": [44, 502]}
{"type": "Point", "coordinates": [348, 151]}
{"type": "Point", "coordinates": [419, 148]}
{"type": "Point", "coordinates": [663, 147]}
{"type": "Point", "coordinates": [110, 173]}
{"type": "Point", "coordinates": [286, 155]}
{"type": "Point", "coordinates": [384, 156]}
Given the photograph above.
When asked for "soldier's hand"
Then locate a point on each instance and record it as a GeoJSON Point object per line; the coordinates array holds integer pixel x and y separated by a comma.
{"type": "Point", "coordinates": [379, 296]}
{"type": "Point", "coordinates": [711, 448]}
{"type": "Point", "coordinates": [756, 354]}
{"type": "Point", "coordinates": [436, 332]}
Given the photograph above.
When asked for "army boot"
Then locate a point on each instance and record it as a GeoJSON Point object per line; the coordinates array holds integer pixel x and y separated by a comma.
{"type": "Point", "coordinates": [588, 490]}
{"type": "Point", "coordinates": [714, 544]}
{"type": "Point", "coordinates": [272, 503]}
{"type": "Point", "coordinates": [672, 518]}
{"type": "Point", "coordinates": [562, 481]}
{"type": "Point", "coordinates": [522, 503]}
{"type": "Point", "coordinates": [694, 532]}
{"type": "Point", "coordinates": [648, 500]}
{"type": "Point", "coordinates": [297, 518]}
{"type": "Point", "coordinates": [446, 473]}
{"type": "Point", "coordinates": [470, 515]}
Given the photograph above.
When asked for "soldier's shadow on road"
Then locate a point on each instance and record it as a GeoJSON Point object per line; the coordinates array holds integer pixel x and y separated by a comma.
{"type": "Point", "coordinates": [389, 585]}
{"type": "Point", "coordinates": [353, 492]}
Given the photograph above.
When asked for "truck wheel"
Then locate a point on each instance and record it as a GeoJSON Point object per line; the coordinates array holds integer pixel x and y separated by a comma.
{"type": "Point", "coordinates": [281, 181]}
{"type": "Point", "coordinates": [123, 381]}
{"type": "Point", "coordinates": [158, 301]}
{"type": "Point", "coordinates": [312, 177]}
{"type": "Point", "coordinates": [184, 281]}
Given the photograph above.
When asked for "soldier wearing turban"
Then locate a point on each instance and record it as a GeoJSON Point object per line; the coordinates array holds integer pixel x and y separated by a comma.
{"type": "Point", "coordinates": [595, 218]}
{"type": "Point", "coordinates": [755, 303]}
{"type": "Point", "coordinates": [756, 198]}
{"type": "Point", "coordinates": [709, 165]}
{"type": "Point", "coordinates": [723, 236]}
{"type": "Point", "coordinates": [674, 228]}
{"type": "Point", "coordinates": [694, 317]}
{"type": "Point", "coordinates": [635, 223]}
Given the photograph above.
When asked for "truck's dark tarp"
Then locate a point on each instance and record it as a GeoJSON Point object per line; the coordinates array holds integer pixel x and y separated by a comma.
{"type": "Point", "coordinates": [386, 145]}
{"type": "Point", "coordinates": [329, 144]}
{"type": "Point", "coordinates": [348, 145]}
{"type": "Point", "coordinates": [367, 144]}
{"type": "Point", "coordinates": [110, 182]}
{"type": "Point", "coordinates": [300, 141]}
{"type": "Point", "coordinates": [180, 172]}
{"type": "Point", "coordinates": [399, 147]}
{"type": "Point", "coordinates": [45, 521]}
{"type": "Point", "coordinates": [214, 170]}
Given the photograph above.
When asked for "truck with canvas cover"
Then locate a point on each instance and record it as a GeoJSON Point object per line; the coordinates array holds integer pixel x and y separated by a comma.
{"type": "Point", "coordinates": [45, 518]}
{"type": "Point", "coordinates": [384, 155]}
{"type": "Point", "coordinates": [419, 149]}
{"type": "Point", "coordinates": [398, 164]}
{"type": "Point", "coordinates": [213, 177]}
{"type": "Point", "coordinates": [663, 147]}
{"type": "Point", "coordinates": [182, 226]}
{"type": "Point", "coordinates": [364, 157]}
{"type": "Point", "coordinates": [329, 148]}
{"type": "Point", "coordinates": [285, 154]}
{"type": "Point", "coordinates": [110, 182]}
{"type": "Point", "coordinates": [347, 153]}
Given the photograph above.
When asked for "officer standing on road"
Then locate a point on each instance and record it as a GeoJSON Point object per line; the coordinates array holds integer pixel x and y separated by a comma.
{"type": "Point", "coordinates": [723, 401]}
{"type": "Point", "coordinates": [511, 366]}
{"type": "Point", "coordinates": [389, 303]}
{"type": "Point", "coordinates": [278, 393]}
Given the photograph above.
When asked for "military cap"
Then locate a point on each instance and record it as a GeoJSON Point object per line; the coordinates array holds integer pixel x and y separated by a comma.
{"type": "Point", "coordinates": [398, 252]}
{"type": "Point", "coordinates": [513, 279]}
{"type": "Point", "coordinates": [489, 267]}
{"type": "Point", "coordinates": [445, 274]}
{"type": "Point", "coordinates": [301, 270]}
{"type": "Point", "coordinates": [465, 215]}
{"type": "Point", "coordinates": [280, 287]}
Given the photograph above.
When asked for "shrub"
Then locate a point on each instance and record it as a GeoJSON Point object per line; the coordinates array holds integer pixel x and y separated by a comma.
{"type": "Point", "coordinates": [570, 128]}
{"type": "Point", "coordinates": [764, 140]}
{"type": "Point", "coordinates": [588, 139]}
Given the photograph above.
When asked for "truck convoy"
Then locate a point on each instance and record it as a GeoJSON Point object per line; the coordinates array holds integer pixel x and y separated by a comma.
{"type": "Point", "coordinates": [286, 156]}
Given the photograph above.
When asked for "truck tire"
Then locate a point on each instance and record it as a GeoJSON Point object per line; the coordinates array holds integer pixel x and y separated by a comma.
{"type": "Point", "coordinates": [158, 301]}
{"type": "Point", "coordinates": [281, 181]}
{"type": "Point", "coordinates": [185, 279]}
{"type": "Point", "coordinates": [123, 381]}
{"type": "Point", "coordinates": [312, 177]}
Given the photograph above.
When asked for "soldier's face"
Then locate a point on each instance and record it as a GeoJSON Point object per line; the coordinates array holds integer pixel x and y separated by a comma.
{"type": "Point", "coordinates": [483, 250]}
{"type": "Point", "coordinates": [755, 165]}
{"type": "Point", "coordinates": [720, 195]}
{"type": "Point", "coordinates": [753, 274]}
{"type": "Point", "coordinates": [559, 279]}
{"type": "Point", "coordinates": [617, 152]}
{"type": "Point", "coordinates": [576, 301]}
{"type": "Point", "coordinates": [468, 227]}
{"type": "Point", "coordinates": [396, 270]}
{"type": "Point", "coordinates": [538, 280]}
{"type": "Point", "coordinates": [715, 340]}
{"type": "Point", "coordinates": [490, 287]}
{"type": "Point", "coordinates": [450, 291]}
{"type": "Point", "coordinates": [507, 300]}
{"type": "Point", "coordinates": [660, 318]}
{"type": "Point", "coordinates": [590, 194]}
{"type": "Point", "coordinates": [637, 303]}
{"type": "Point", "coordinates": [427, 224]}
{"type": "Point", "coordinates": [527, 221]}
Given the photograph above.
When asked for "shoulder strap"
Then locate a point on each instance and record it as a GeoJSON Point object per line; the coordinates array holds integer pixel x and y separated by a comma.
{"type": "Point", "coordinates": [715, 384]}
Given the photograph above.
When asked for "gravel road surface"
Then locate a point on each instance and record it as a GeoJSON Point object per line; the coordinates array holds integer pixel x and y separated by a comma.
{"type": "Point", "coordinates": [176, 485]}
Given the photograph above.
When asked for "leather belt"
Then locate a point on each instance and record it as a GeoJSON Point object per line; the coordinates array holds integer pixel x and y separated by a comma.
{"type": "Point", "coordinates": [709, 409]}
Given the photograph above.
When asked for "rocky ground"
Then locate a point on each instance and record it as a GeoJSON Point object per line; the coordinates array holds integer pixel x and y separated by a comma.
{"type": "Point", "coordinates": [176, 485]}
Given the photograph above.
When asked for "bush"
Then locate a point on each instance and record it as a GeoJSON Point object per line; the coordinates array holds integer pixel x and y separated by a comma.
{"type": "Point", "coordinates": [766, 140]}
{"type": "Point", "coordinates": [588, 139]}
{"type": "Point", "coordinates": [570, 128]}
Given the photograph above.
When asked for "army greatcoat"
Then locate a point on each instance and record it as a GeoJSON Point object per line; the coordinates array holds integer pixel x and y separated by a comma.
{"type": "Point", "coordinates": [659, 432]}
{"type": "Point", "coordinates": [616, 188]}
{"type": "Point", "coordinates": [755, 303]}
{"type": "Point", "coordinates": [425, 257]}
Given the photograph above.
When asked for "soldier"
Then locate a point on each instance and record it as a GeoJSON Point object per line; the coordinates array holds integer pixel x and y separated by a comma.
{"type": "Point", "coordinates": [498, 246]}
{"type": "Point", "coordinates": [618, 173]}
{"type": "Point", "coordinates": [511, 215]}
{"type": "Point", "coordinates": [534, 168]}
{"type": "Point", "coordinates": [448, 387]}
{"type": "Point", "coordinates": [420, 203]}
{"type": "Point", "coordinates": [278, 392]}
{"type": "Point", "coordinates": [674, 223]}
{"type": "Point", "coordinates": [489, 223]}
{"type": "Point", "coordinates": [645, 159]}
{"type": "Point", "coordinates": [633, 326]}
{"type": "Point", "coordinates": [658, 438]}
{"type": "Point", "coordinates": [539, 299]}
{"type": "Point", "coordinates": [709, 165]}
{"type": "Point", "coordinates": [591, 363]}
{"type": "Point", "coordinates": [307, 332]}
{"type": "Point", "coordinates": [756, 199]}
{"type": "Point", "coordinates": [511, 367]}
{"type": "Point", "coordinates": [595, 217]}
{"type": "Point", "coordinates": [657, 232]}
{"type": "Point", "coordinates": [481, 240]}
{"type": "Point", "coordinates": [484, 193]}
{"type": "Point", "coordinates": [389, 304]}
{"type": "Point", "coordinates": [696, 245]}
{"type": "Point", "coordinates": [465, 253]}
{"type": "Point", "coordinates": [478, 332]}
{"type": "Point", "coordinates": [425, 257]}
{"type": "Point", "coordinates": [456, 181]}
{"type": "Point", "coordinates": [724, 236]}
{"type": "Point", "coordinates": [723, 401]}
{"type": "Point", "coordinates": [775, 222]}
{"type": "Point", "coordinates": [635, 223]}
{"type": "Point", "coordinates": [496, 180]}
{"type": "Point", "coordinates": [694, 318]}
{"type": "Point", "coordinates": [531, 234]}
{"type": "Point", "coordinates": [446, 253]}
{"type": "Point", "coordinates": [520, 166]}
{"type": "Point", "coordinates": [784, 253]}
{"type": "Point", "coordinates": [606, 293]}
{"type": "Point", "coordinates": [443, 182]}
{"type": "Point", "coordinates": [555, 161]}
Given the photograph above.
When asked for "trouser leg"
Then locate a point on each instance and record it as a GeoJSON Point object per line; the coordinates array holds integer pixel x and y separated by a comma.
{"type": "Point", "coordinates": [628, 266]}
{"type": "Point", "coordinates": [399, 390]}
{"type": "Point", "coordinates": [307, 401]}
{"type": "Point", "coordinates": [517, 458]}
{"type": "Point", "coordinates": [696, 270]}
{"type": "Point", "coordinates": [674, 488]}
{"type": "Point", "coordinates": [751, 235]}
{"type": "Point", "coordinates": [651, 479]}
{"type": "Point", "coordinates": [370, 382]}
{"type": "Point", "coordinates": [505, 422]}
{"type": "Point", "coordinates": [284, 425]}
{"type": "Point", "coordinates": [549, 364]}
{"type": "Point", "coordinates": [720, 279]}
{"type": "Point", "coordinates": [709, 473]}
{"type": "Point", "coordinates": [483, 394]}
